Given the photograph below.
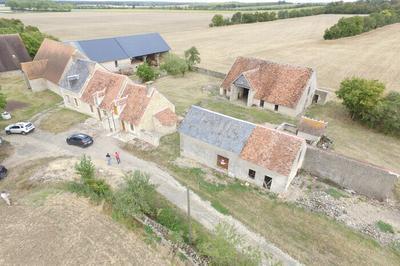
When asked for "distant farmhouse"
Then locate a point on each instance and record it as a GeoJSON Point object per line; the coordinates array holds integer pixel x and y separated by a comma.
{"type": "Point", "coordinates": [260, 155]}
{"type": "Point", "coordinates": [283, 88]}
{"type": "Point", "coordinates": [119, 53]}
{"type": "Point", "coordinates": [87, 87]}
{"type": "Point", "coordinates": [12, 53]}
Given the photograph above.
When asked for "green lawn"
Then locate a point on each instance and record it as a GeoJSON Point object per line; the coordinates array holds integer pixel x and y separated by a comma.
{"type": "Point", "coordinates": [34, 102]}
{"type": "Point", "coordinates": [311, 238]}
{"type": "Point", "coordinates": [61, 120]}
{"type": "Point", "coordinates": [355, 140]}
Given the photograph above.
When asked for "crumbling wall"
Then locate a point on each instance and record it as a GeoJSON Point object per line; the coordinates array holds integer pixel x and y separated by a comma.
{"type": "Point", "coordinates": [361, 177]}
{"type": "Point", "coordinates": [208, 72]}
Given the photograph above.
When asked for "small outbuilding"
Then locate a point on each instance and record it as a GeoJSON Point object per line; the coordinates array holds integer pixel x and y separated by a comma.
{"type": "Point", "coordinates": [283, 88]}
{"type": "Point", "coordinates": [118, 53]}
{"type": "Point", "coordinates": [253, 153]}
{"type": "Point", "coordinates": [12, 52]}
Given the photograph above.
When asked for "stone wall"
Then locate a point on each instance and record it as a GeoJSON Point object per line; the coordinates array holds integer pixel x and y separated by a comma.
{"type": "Point", "coordinates": [349, 173]}
{"type": "Point", "coordinates": [208, 72]}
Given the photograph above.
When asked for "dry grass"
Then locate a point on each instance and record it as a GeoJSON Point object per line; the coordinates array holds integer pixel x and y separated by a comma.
{"type": "Point", "coordinates": [355, 140]}
{"type": "Point", "coordinates": [6, 149]}
{"type": "Point", "coordinates": [61, 120]}
{"type": "Point", "coordinates": [299, 40]}
{"type": "Point", "coordinates": [15, 89]}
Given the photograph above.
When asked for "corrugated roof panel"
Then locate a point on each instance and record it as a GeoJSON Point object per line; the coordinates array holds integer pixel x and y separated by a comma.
{"type": "Point", "coordinates": [102, 50]}
{"type": "Point", "coordinates": [143, 44]}
{"type": "Point", "coordinates": [216, 129]}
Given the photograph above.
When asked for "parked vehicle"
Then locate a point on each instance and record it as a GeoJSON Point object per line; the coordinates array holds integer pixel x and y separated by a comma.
{"type": "Point", "coordinates": [20, 128]}
{"type": "Point", "coordinates": [80, 139]}
{"type": "Point", "coordinates": [6, 115]}
{"type": "Point", "coordinates": [3, 172]}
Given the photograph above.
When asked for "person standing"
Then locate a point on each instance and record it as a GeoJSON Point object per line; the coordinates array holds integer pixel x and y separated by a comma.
{"type": "Point", "coordinates": [108, 158]}
{"type": "Point", "coordinates": [116, 154]}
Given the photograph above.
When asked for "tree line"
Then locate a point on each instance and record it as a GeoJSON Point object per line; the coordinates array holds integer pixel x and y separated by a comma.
{"type": "Point", "coordinates": [356, 25]}
{"type": "Point", "coordinates": [31, 36]}
{"type": "Point", "coordinates": [38, 5]}
{"type": "Point", "coordinates": [360, 7]}
{"type": "Point", "coordinates": [366, 102]}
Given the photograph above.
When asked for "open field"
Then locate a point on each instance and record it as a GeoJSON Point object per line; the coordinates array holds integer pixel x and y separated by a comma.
{"type": "Point", "coordinates": [22, 102]}
{"type": "Point", "coordinates": [299, 40]}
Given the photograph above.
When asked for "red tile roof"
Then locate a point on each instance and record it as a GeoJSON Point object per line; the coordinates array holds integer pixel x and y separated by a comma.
{"type": "Point", "coordinates": [272, 82]}
{"type": "Point", "coordinates": [136, 103]}
{"type": "Point", "coordinates": [312, 126]}
{"type": "Point", "coordinates": [272, 149]}
{"type": "Point", "coordinates": [35, 69]}
{"type": "Point", "coordinates": [166, 117]}
{"type": "Point", "coordinates": [101, 81]}
{"type": "Point", "coordinates": [57, 55]}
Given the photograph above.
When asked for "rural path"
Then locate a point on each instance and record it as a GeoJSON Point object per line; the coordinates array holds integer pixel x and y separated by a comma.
{"type": "Point", "coordinates": [42, 144]}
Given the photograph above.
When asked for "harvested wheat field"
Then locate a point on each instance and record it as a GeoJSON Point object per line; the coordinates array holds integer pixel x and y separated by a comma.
{"type": "Point", "coordinates": [371, 55]}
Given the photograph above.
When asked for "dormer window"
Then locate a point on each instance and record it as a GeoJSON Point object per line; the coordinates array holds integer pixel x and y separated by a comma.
{"type": "Point", "coordinates": [73, 77]}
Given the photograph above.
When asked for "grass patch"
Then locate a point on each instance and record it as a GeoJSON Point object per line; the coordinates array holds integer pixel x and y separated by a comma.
{"type": "Point", "coordinates": [355, 140]}
{"type": "Point", "coordinates": [385, 227]}
{"type": "Point", "coordinates": [14, 87]}
{"type": "Point", "coordinates": [311, 238]}
{"type": "Point", "coordinates": [61, 120]}
{"type": "Point", "coordinates": [252, 114]}
{"type": "Point", "coordinates": [336, 194]}
{"type": "Point", "coordinates": [219, 207]}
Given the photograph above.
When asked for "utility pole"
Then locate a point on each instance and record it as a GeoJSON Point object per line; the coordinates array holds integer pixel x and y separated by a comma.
{"type": "Point", "coordinates": [188, 211]}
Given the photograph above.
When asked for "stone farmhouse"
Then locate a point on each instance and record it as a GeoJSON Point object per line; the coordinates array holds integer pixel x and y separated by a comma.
{"type": "Point", "coordinates": [119, 53]}
{"type": "Point", "coordinates": [117, 102]}
{"type": "Point", "coordinates": [12, 53]}
{"type": "Point", "coordinates": [262, 156]}
{"type": "Point", "coordinates": [283, 88]}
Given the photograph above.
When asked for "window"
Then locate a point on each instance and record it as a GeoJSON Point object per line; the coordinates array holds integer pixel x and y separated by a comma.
{"type": "Point", "coordinates": [252, 173]}
{"type": "Point", "coordinates": [131, 126]}
{"type": "Point", "coordinates": [267, 182]}
{"type": "Point", "coordinates": [222, 162]}
{"type": "Point", "coordinates": [76, 102]}
{"type": "Point", "coordinates": [67, 99]}
{"type": "Point", "coordinates": [262, 103]}
{"type": "Point", "coordinates": [91, 108]}
{"type": "Point", "coordinates": [276, 107]}
{"type": "Point", "coordinates": [116, 63]}
{"type": "Point", "coordinates": [105, 112]}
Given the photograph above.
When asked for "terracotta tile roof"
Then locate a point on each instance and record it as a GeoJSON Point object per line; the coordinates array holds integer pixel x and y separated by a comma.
{"type": "Point", "coordinates": [58, 56]}
{"type": "Point", "coordinates": [272, 82]}
{"type": "Point", "coordinates": [34, 69]}
{"type": "Point", "coordinates": [12, 52]}
{"type": "Point", "coordinates": [312, 126]}
{"type": "Point", "coordinates": [136, 103]}
{"type": "Point", "coordinates": [272, 149]}
{"type": "Point", "coordinates": [166, 117]}
{"type": "Point", "coordinates": [101, 81]}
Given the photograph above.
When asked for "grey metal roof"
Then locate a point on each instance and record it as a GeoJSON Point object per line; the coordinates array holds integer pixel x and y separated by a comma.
{"type": "Point", "coordinates": [124, 47]}
{"type": "Point", "coordinates": [76, 75]}
{"type": "Point", "coordinates": [216, 129]}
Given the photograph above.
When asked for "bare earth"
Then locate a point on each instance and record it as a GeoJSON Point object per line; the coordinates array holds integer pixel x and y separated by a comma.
{"type": "Point", "coordinates": [372, 55]}
{"type": "Point", "coordinates": [66, 230]}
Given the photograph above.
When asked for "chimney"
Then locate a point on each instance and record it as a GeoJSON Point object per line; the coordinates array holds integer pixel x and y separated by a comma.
{"type": "Point", "coordinates": [150, 88]}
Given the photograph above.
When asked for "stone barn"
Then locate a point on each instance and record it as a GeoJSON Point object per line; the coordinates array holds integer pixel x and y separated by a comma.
{"type": "Point", "coordinates": [256, 154]}
{"type": "Point", "coordinates": [119, 53]}
{"type": "Point", "coordinates": [282, 88]}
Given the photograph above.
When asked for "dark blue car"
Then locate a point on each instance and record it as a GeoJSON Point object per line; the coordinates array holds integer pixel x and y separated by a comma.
{"type": "Point", "coordinates": [80, 139]}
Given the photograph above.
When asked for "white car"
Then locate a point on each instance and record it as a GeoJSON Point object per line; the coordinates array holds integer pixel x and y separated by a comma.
{"type": "Point", "coordinates": [20, 128]}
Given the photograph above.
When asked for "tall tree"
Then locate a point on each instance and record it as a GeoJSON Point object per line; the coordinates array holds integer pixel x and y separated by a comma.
{"type": "Point", "coordinates": [192, 57]}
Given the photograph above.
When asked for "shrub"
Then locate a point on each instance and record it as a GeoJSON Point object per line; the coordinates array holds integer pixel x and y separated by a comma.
{"type": "Point", "coordinates": [388, 114]}
{"type": "Point", "coordinates": [85, 168]}
{"type": "Point", "coordinates": [217, 20]}
{"type": "Point", "coordinates": [361, 96]}
{"type": "Point", "coordinates": [146, 72]}
{"type": "Point", "coordinates": [136, 196]}
{"type": "Point", "coordinates": [385, 227]}
{"type": "Point", "coordinates": [222, 248]}
{"type": "Point", "coordinates": [3, 100]}
{"type": "Point", "coordinates": [174, 65]}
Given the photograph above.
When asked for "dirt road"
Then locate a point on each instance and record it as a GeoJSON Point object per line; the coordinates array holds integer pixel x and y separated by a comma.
{"type": "Point", "coordinates": [42, 144]}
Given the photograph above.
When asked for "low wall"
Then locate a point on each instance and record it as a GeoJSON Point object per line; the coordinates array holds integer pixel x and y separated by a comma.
{"type": "Point", "coordinates": [208, 72]}
{"type": "Point", "coordinates": [361, 177]}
